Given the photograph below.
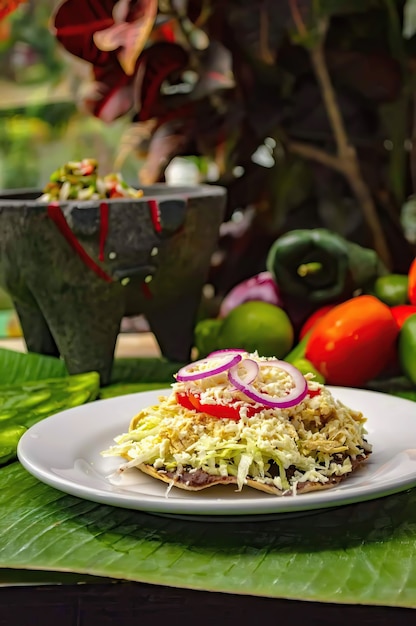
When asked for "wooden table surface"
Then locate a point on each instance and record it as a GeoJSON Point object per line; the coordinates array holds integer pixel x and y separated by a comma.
{"type": "Point", "coordinates": [129, 603]}
{"type": "Point", "coordinates": [128, 345]}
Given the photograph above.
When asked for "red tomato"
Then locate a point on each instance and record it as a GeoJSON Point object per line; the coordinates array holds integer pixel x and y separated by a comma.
{"type": "Point", "coordinates": [228, 411]}
{"type": "Point", "coordinates": [86, 169]}
{"type": "Point", "coordinates": [9, 7]}
{"type": "Point", "coordinates": [312, 319]}
{"type": "Point", "coordinates": [401, 312]}
{"type": "Point", "coordinates": [353, 342]}
{"type": "Point", "coordinates": [314, 392]}
{"type": "Point", "coordinates": [183, 400]}
{"type": "Point", "coordinates": [411, 289]}
{"type": "Point", "coordinates": [115, 194]}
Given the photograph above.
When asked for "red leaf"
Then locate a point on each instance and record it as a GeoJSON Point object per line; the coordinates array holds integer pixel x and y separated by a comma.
{"type": "Point", "coordinates": [98, 30]}
{"type": "Point", "coordinates": [133, 23]}
{"type": "Point", "coordinates": [168, 141]}
{"type": "Point", "coordinates": [111, 94]}
{"type": "Point", "coordinates": [217, 71]}
{"type": "Point", "coordinates": [159, 62]}
{"type": "Point", "coordinates": [166, 32]}
{"type": "Point", "coordinates": [76, 21]}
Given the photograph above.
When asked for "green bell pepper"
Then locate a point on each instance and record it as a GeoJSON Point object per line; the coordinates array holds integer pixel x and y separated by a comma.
{"type": "Point", "coordinates": [298, 351]}
{"type": "Point", "coordinates": [321, 266]}
{"type": "Point", "coordinates": [306, 367]}
{"type": "Point", "coordinates": [407, 348]}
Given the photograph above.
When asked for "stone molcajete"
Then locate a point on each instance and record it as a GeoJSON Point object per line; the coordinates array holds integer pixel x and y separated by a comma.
{"type": "Point", "coordinates": [74, 269]}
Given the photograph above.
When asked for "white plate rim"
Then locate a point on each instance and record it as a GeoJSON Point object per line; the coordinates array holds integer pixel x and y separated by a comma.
{"type": "Point", "coordinates": [39, 459]}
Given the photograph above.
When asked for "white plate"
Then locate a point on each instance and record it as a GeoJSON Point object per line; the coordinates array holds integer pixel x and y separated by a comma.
{"type": "Point", "coordinates": [64, 452]}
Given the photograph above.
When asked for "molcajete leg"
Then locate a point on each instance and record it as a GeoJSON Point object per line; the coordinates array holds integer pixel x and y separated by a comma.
{"type": "Point", "coordinates": [173, 326]}
{"type": "Point", "coordinates": [35, 329]}
{"type": "Point", "coordinates": [85, 323]}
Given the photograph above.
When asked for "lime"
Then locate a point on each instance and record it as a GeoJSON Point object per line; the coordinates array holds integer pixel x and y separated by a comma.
{"type": "Point", "coordinates": [206, 336]}
{"type": "Point", "coordinates": [257, 325]}
{"type": "Point", "coordinates": [391, 289]}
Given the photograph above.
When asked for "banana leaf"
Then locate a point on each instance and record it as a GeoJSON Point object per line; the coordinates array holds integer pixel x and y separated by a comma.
{"type": "Point", "coordinates": [34, 387]}
{"type": "Point", "coordinates": [23, 405]}
{"type": "Point", "coordinates": [396, 386]}
{"type": "Point", "coordinates": [144, 370]}
{"type": "Point", "coordinates": [121, 389]}
{"type": "Point", "coordinates": [19, 367]}
{"type": "Point", "coordinates": [32, 401]}
{"type": "Point", "coordinates": [360, 554]}
{"type": "Point", "coordinates": [131, 375]}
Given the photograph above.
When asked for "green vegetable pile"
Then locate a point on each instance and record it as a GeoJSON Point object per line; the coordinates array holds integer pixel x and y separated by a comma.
{"type": "Point", "coordinates": [79, 180]}
{"type": "Point", "coordinates": [328, 306]}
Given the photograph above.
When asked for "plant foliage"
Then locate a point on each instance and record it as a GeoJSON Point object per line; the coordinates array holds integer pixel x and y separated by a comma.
{"type": "Point", "coordinates": [310, 95]}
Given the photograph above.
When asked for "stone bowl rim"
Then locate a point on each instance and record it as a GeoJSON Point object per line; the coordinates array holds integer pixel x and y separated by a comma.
{"type": "Point", "coordinates": [170, 192]}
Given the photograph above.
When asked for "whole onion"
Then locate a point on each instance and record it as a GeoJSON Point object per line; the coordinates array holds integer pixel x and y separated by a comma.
{"type": "Point", "coordinates": [259, 287]}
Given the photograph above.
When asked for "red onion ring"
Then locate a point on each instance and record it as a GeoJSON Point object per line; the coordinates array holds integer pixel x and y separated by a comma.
{"type": "Point", "coordinates": [294, 397]}
{"type": "Point", "coordinates": [259, 287]}
{"type": "Point", "coordinates": [252, 370]}
{"type": "Point", "coordinates": [226, 351]}
{"type": "Point", "coordinates": [187, 372]}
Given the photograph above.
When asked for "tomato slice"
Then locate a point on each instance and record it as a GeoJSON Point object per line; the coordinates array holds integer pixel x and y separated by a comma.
{"type": "Point", "coordinates": [227, 411]}
{"type": "Point", "coordinates": [183, 400]}
{"type": "Point", "coordinates": [313, 392]}
{"type": "Point", "coordinates": [215, 410]}
{"type": "Point", "coordinates": [86, 169]}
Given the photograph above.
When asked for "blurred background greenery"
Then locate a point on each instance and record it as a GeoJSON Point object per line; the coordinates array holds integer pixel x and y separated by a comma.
{"type": "Point", "coordinates": [41, 126]}
{"type": "Point", "coordinates": [257, 120]}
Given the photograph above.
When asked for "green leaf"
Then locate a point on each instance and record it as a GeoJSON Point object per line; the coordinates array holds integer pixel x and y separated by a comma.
{"type": "Point", "coordinates": [121, 389]}
{"type": "Point", "coordinates": [17, 367]}
{"type": "Point", "coordinates": [395, 118]}
{"type": "Point", "coordinates": [397, 386]}
{"type": "Point", "coordinates": [5, 301]}
{"type": "Point", "coordinates": [310, 17]}
{"type": "Point", "coordinates": [359, 554]}
{"type": "Point", "coordinates": [341, 7]}
{"type": "Point", "coordinates": [309, 39]}
{"type": "Point", "coordinates": [9, 438]}
{"type": "Point", "coordinates": [140, 370]}
{"type": "Point", "coordinates": [408, 219]}
{"type": "Point", "coordinates": [23, 405]}
{"type": "Point", "coordinates": [409, 19]}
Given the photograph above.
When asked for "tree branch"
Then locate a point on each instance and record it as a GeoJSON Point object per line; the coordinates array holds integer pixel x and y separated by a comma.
{"type": "Point", "coordinates": [346, 161]}
{"type": "Point", "coordinates": [317, 55]}
{"type": "Point", "coordinates": [413, 150]}
{"type": "Point", "coordinates": [297, 18]}
{"type": "Point", "coordinates": [315, 154]}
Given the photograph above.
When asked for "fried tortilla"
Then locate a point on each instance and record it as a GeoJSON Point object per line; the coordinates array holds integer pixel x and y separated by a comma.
{"type": "Point", "coordinates": [199, 480]}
